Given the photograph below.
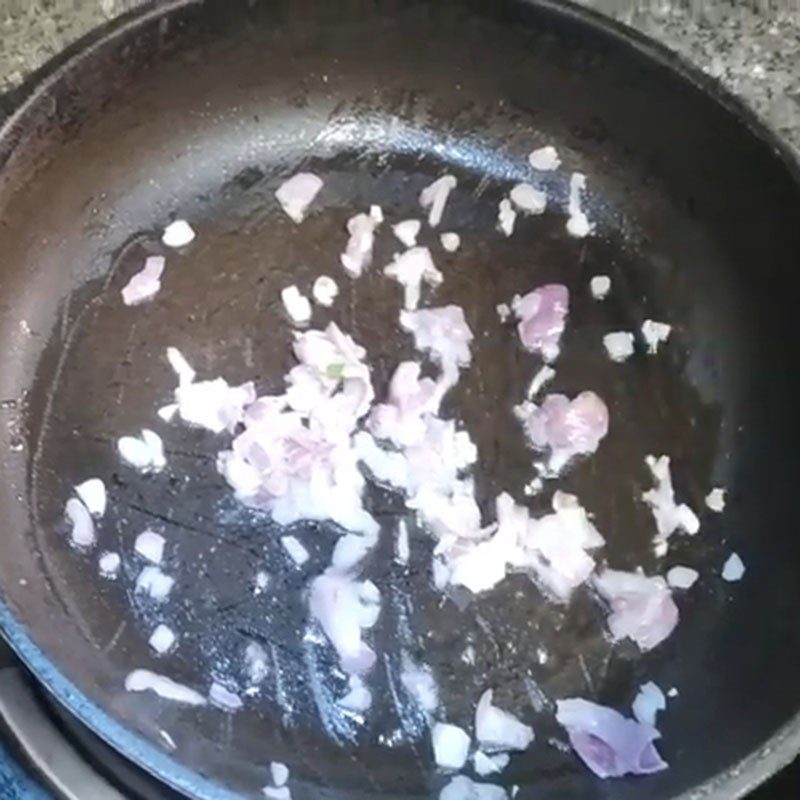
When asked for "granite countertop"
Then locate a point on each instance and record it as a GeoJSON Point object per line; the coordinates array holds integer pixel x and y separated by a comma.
{"type": "Point", "coordinates": [749, 45]}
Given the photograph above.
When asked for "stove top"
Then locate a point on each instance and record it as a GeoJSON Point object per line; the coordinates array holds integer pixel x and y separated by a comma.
{"type": "Point", "coordinates": [67, 753]}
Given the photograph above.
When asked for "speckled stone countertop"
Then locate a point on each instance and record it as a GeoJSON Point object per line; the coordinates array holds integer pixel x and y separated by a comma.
{"type": "Point", "coordinates": [752, 47]}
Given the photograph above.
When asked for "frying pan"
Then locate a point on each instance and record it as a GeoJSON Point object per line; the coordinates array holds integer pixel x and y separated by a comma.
{"type": "Point", "coordinates": [200, 111]}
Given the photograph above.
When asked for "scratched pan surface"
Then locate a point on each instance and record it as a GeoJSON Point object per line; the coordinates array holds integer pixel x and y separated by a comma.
{"type": "Point", "coordinates": [201, 111]}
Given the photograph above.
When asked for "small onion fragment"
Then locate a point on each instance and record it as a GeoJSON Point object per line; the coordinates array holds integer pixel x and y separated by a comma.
{"type": "Point", "coordinates": [578, 224]}
{"type": "Point", "coordinates": [410, 269]}
{"type": "Point", "coordinates": [600, 286]}
{"type": "Point", "coordinates": [733, 569]}
{"type": "Point", "coordinates": [682, 577]}
{"type": "Point", "coordinates": [434, 198]}
{"type": "Point", "coordinates": [297, 193]}
{"type": "Point", "coordinates": [92, 493]}
{"type": "Point", "coordinates": [154, 583]}
{"type": "Point", "coordinates": [450, 745]}
{"type": "Point", "coordinates": [325, 290]}
{"type": "Point", "coordinates": [450, 241]}
{"type": "Point", "coordinates": [407, 231]}
{"type": "Point", "coordinates": [109, 564]}
{"type": "Point", "coordinates": [528, 199]}
{"type": "Point", "coordinates": [542, 316]}
{"type": "Point", "coordinates": [545, 159]}
{"type": "Point", "coordinates": [655, 333]}
{"type": "Point", "coordinates": [498, 730]}
{"type": "Point", "coordinates": [279, 773]}
{"type": "Point", "coordinates": [162, 639]}
{"type": "Point", "coordinates": [178, 234]}
{"type": "Point", "coordinates": [82, 533]}
{"type": "Point", "coordinates": [619, 345]}
{"type": "Point", "coordinates": [297, 305]}
{"type": "Point", "coordinates": [143, 680]}
{"type": "Point", "coordinates": [463, 788]}
{"type": "Point", "coordinates": [146, 283]}
{"type": "Point", "coordinates": [506, 217]}
{"type": "Point", "coordinates": [150, 545]}
{"type": "Point", "coordinates": [647, 703]}
{"type": "Point", "coordinates": [715, 500]}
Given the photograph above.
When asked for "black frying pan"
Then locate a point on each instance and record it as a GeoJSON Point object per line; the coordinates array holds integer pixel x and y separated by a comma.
{"type": "Point", "coordinates": [200, 110]}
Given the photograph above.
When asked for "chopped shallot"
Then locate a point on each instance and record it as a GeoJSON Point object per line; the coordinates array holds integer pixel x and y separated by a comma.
{"type": "Point", "coordinates": [506, 217]}
{"type": "Point", "coordinates": [503, 311]}
{"type": "Point", "coordinates": [542, 316]}
{"type": "Point", "coordinates": [178, 234]}
{"type": "Point", "coordinates": [162, 639]}
{"type": "Point", "coordinates": [142, 680]}
{"type": "Point", "coordinates": [733, 569]}
{"type": "Point", "coordinates": [648, 702]}
{"type": "Point", "coordinates": [450, 745]}
{"type": "Point", "coordinates": [407, 231]}
{"type": "Point", "coordinates": [434, 198]}
{"type": "Point", "coordinates": [82, 533]}
{"type": "Point", "coordinates": [402, 548]}
{"type": "Point", "coordinates": [498, 730]}
{"type": "Point", "coordinates": [145, 454]}
{"type": "Point", "coordinates": [297, 305]}
{"type": "Point", "coordinates": [92, 493]}
{"type": "Point", "coordinates": [109, 564]}
{"type": "Point", "coordinates": [642, 608]}
{"type": "Point", "coordinates": [654, 334]}
{"type": "Point", "coordinates": [715, 500]}
{"type": "Point", "coordinates": [610, 744]}
{"type": "Point", "coordinates": [566, 428]}
{"type": "Point", "coordinates": [540, 380]}
{"type": "Point", "coordinates": [600, 286]}
{"type": "Point", "coordinates": [358, 253]}
{"type": "Point", "coordinates": [619, 345]}
{"type": "Point", "coordinates": [277, 793]}
{"type": "Point", "coordinates": [418, 681]}
{"type": "Point", "coordinates": [223, 698]}
{"type": "Point", "coordinates": [443, 332]}
{"type": "Point", "coordinates": [545, 159]}
{"type": "Point", "coordinates": [213, 405]}
{"type": "Point", "coordinates": [296, 550]}
{"type": "Point", "coordinates": [146, 283]}
{"type": "Point", "coordinates": [345, 608]}
{"type": "Point", "coordinates": [296, 194]}
{"type": "Point", "coordinates": [279, 773]}
{"type": "Point", "coordinates": [180, 366]}
{"type": "Point", "coordinates": [463, 788]}
{"type": "Point", "coordinates": [682, 577]}
{"type": "Point", "coordinates": [450, 241]}
{"type": "Point", "coordinates": [325, 290]}
{"type": "Point", "coordinates": [528, 199]}
{"type": "Point", "coordinates": [578, 223]}
{"type": "Point", "coordinates": [154, 583]}
{"type": "Point", "coordinates": [490, 764]}
{"type": "Point", "coordinates": [410, 269]}
{"type": "Point", "coordinates": [358, 698]}
{"type": "Point", "coordinates": [669, 515]}
{"type": "Point", "coordinates": [150, 545]}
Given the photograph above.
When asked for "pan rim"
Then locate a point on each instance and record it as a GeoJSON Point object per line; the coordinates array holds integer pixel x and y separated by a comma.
{"type": "Point", "coordinates": [737, 780]}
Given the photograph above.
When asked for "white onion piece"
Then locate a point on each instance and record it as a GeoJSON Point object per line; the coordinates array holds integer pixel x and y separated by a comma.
{"type": "Point", "coordinates": [277, 793]}
{"type": "Point", "coordinates": [642, 608]}
{"type": "Point", "coordinates": [142, 680]}
{"type": "Point", "coordinates": [294, 547]}
{"type": "Point", "coordinates": [450, 745]}
{"type": "Point", "coordinates": [506, 217]}
{"type": "Point", "coordinates": [297, 305]}
{"type": "Point", "coordinates": [402, 548]}
{"type": "Point", "coordinates": [503, 311]}
{"type": "Point", "coordinates": [182, 368]}
{"type": "Point", "coordinates": [150, 545]}
{"type": "Point", "coordinates": [358, 252]}
{"type": "Point", "coordinates": [82, 533]}
{"type": "Point", "coordinates": [297, 193]}
{"type": "Point", "coordinates": [350, 550]}
{"type": "Point", "coordinates": [154, 583]}
{"type": "Point", "coordinates": [655, 333]}
{"type": "Point", "coordinates": [407, 231]}
{"type": "Point", "coordinates": [214, 405]}
{"type": "Point", "coordinates": [450, 241]}
{"type": "Point", "coordinates": [715, 500]}
{"type": "Point", "coordinates": [255, 663]}
{"type": "Point", "coordinates": [578, 224]}
{"type": "Point", "coordinates": [619, 345]}
{"type": "Point", "coordinates": [463, 788]}
{"type": "Point", "coordinates": [682, 577]}
{"type": "Point", "coordinates": [733, 569]}
{"type": "Point", "coordinates": [498, 730]}
{"type": "Point", "coordinates": [565, 428]}
{"type": "Point", "coordinates": [545, 159]}
{"type": "Point", "coordinates": [279, 773]}
{"type": "Point", "coordinates": [528, 199]}
{"type": "Point", "coordinates": [434, 198]}
{"type": "Point", "coordinates": [648, 702]}
{"type": "Point", "coordinates": [410, 269]}
{"type": "Point", "coordinates": [92, 493]}
{"type": "Point", "coordinates": [358, 698]}
{"type": "Point", "coordinates": [669, 515]}
{"type": "Point", "coordinates": [178, 234]}
{"type": "Point", "coordinates": [325, 290]}
{"type": "Point", "coordinates": [146, 283]}
{"type": "Point", "coordinates": [109, 564]}
{"type": "Point", "coordinates": [344, 608]}
{"type": "Point", "coordinates": [443, 332]}
{"type": "Point", "coordinates": [542, 316]}
{"type": "Point", "coordinates": [223, 698]}
{"type": "Point", "coordinates": [608, 743]}
{"type": "Point", "coordinates": [490, 764]}
{"type": "Point", "coordinates": [600, 286]}
{"type": "Point", "coordinates": [540, 380]}
{"type": "Point", "coordinates": [418, 681]}
{"type": "Point", "coordinates": [145, 454]}
{"type": "Point", "coordinates": [168, 412]}
{"type": "Point", "coordinates": [162, 639]}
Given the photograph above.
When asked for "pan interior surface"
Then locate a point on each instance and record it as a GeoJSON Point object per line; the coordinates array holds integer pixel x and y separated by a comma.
{"type": "Point", "coordinates": [201, 113]}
